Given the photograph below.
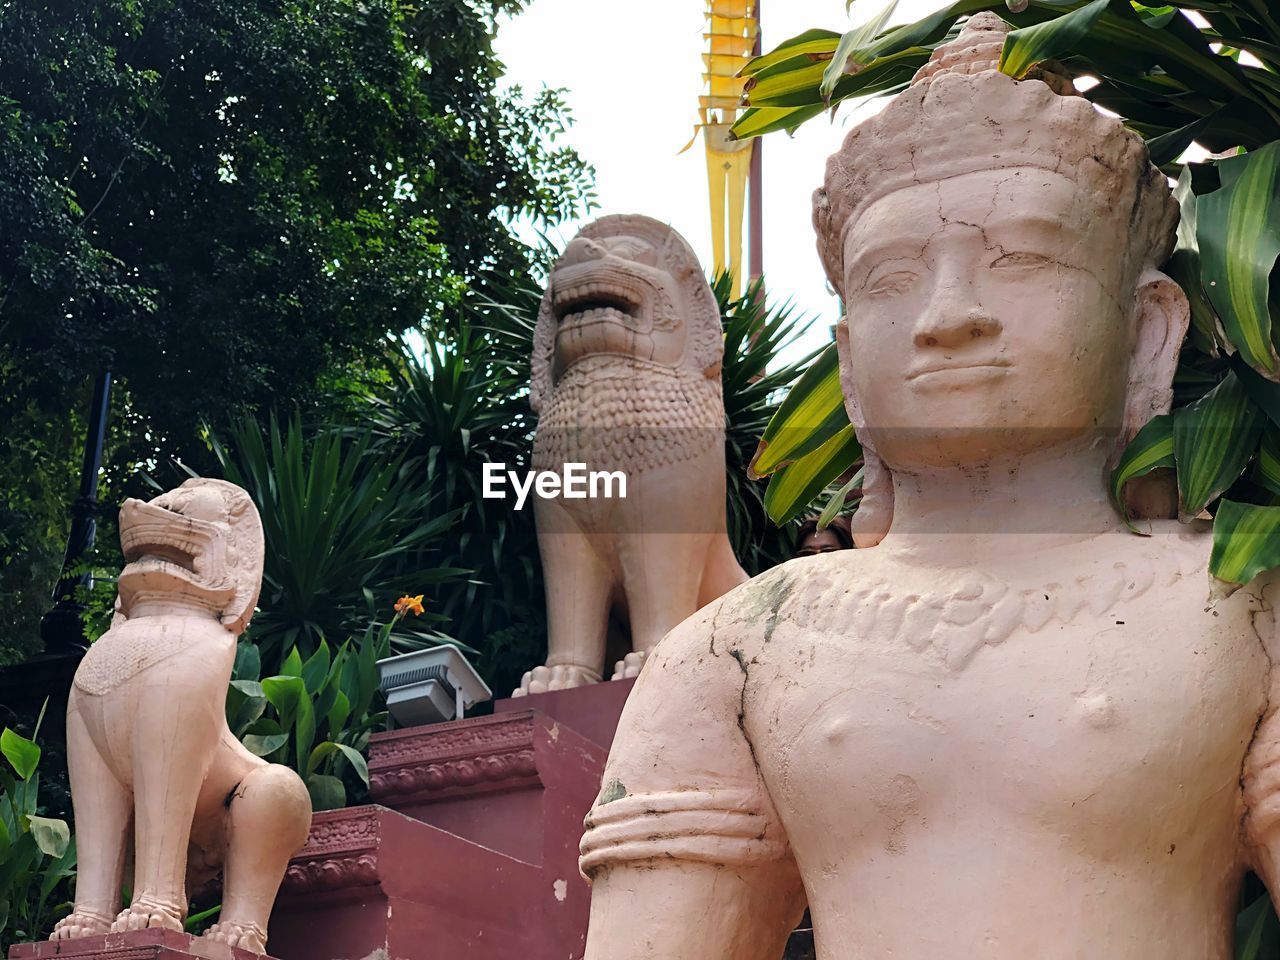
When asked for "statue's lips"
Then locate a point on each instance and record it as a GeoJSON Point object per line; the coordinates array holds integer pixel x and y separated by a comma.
{"type": "Point", "coordinates": [979, 367]}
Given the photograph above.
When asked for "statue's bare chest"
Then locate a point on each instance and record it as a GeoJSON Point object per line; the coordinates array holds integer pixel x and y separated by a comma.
{"type": "Point", "coordinates": [966, 717]}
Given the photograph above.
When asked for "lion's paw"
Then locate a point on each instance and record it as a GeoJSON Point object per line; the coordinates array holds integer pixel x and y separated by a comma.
{"type": "Point", "coordinates": [81, 923]}
{"type": "Point", "coordinates": [562, 676]}
{"type": "Point", "coordinates": [629, 666]}
{"type": "Point", "coordinates": [246, 936]}
{"type": "Point", "coordinates": [147, 912]}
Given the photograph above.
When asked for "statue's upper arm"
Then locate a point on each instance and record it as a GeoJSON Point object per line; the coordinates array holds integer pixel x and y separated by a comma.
{"type": "Point", "coordinates": [683, 845]}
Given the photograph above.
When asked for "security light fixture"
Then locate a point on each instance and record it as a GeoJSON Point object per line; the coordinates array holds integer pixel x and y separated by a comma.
{"type": "Point", "coordinates": [430, 686]}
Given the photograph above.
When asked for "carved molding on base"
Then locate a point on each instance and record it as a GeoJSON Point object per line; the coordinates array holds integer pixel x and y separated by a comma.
{"type": "Point", "coordinates": [488, 753]}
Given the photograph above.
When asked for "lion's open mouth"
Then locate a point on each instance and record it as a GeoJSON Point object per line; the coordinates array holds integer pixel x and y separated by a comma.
{"type": "Point", "coordinates": [598, 293]}
{"type": "Point", "coordinates": [592, 303]}
{"type": "Point", "coordinates": [151, 536]}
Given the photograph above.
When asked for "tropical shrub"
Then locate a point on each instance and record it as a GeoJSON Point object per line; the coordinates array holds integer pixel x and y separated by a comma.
{"type": "Point", "coordinates": [338, 518]}
{"type": "Point", "coordinates": [37, 853]}
{"type": "Point", "coordinates": [755, 333]}
{"type": "Point", "coordinates": [1176, 74]}
{"type": "Point", "coordinates": [316, 714]}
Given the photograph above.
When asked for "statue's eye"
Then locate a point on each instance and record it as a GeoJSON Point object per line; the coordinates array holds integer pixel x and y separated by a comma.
{"type": "Point", "coordinates": [891, 284]}
{"type": "Point", "coordinates": [1021, 258]}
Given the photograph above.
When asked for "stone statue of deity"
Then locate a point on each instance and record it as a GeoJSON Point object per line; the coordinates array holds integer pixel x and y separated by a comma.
{"type": "Point", "coordinates": [1011, 729]}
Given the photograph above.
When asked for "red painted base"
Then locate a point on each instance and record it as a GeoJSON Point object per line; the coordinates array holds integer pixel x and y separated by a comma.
{"type": "Point", "coordinates": [138, 945]}
{"type": "Point", "coordinates": [472, 847]}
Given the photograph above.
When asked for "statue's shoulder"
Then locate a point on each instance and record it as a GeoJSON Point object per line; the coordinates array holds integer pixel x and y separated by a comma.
{"type": "Point", "coordinates": [793, 592]}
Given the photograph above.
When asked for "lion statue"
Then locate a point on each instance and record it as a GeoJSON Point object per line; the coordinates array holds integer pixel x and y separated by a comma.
{"type": "Point", "coordinates": [153, 766]}
{"type": "Point", "coordinates": [626, 377]}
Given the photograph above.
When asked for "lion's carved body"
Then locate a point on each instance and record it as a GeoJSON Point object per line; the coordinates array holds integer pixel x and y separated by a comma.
{"type": "Point", "coordinates": [626, 377]}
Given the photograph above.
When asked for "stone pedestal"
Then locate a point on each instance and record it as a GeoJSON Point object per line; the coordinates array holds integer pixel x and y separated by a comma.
{"type": "Point", "coordinates": [138, 945]}
{"type": "Point", "coordinates": [471, 847]}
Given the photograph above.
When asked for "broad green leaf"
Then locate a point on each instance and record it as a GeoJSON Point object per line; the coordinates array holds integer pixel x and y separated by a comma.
{"type": "Point", "coordinates": [1264, 393]}
{"type": "Point", "coordinates": [327, 793]}
{"type": "Point", "coordinates": [793, 488]}
{"type": "Point", "coordinates": [316, 669]}
{"type": "Point", "coordinates": [292, 666]}
{"type": "Point", "coordinates": [838, 500]}
{"type": "Point", "coordinates": [1268, 474]}
{"type": "Point", "coordinates": [248, 661]}
{"type": "Point", "coordinates": [1238, 229]}
{"type": "Point", "coordinates": [264, 744]}
{"type": "Point", "coordinates": [338, 713]}
{"type": "Point", "coordinates": [284, 693]}
{"type": "Point", "coordinates": [1213, 440]}
{"type": "Point", "coordinates": [357, 761]}
{"type": "Point", "coordinates": [1184, 268]}
{"type": "Point", "coordinates": [1246, 541]}
{"type": "Point", "coordinates": [1028, 46]}
{"type": "Point", "coordinates": [811, 43]}
{"type": "Point", "coordinates": [852, 49]}
{"type": "Point", "coordinates": [51, 835]}
{"type": "Point", "coordinates": [21, 752]}
{"type": "Point", "coordinates": [318, 755]}
{"type": "Point", "coordinates": [757, 121]}
{"type": "Point", "coordinates": [248, 688]}
{"type": "Point", "coordinates": [1151, 449]}
{"type": "Point", "coordinates": [1250, 924]}
{"type": "Point", "coordinates": [812, 414]}
{"type": "Point", "coordinates": [304, 728]}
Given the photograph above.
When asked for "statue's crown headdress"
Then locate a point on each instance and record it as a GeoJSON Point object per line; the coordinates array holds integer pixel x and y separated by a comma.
{"type": "Point", "coordinates": [961, 115]}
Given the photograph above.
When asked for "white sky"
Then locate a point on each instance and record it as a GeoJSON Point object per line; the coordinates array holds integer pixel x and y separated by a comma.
{"type": "Point", "coordinates": [633, 73]}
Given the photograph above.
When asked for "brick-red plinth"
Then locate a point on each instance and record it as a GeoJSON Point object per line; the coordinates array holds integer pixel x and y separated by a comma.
{"type": "Point", "coordinates": [471, 847]}
{"type": "Point", "coordinates": [138, 945]}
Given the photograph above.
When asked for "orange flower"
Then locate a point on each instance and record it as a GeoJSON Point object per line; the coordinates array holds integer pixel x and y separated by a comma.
{"type": "Point", "coordinates": [409, 605]}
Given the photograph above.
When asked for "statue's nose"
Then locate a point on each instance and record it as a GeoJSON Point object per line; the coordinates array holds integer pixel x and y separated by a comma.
{"type": "Point", "coordinates": [951, 328]}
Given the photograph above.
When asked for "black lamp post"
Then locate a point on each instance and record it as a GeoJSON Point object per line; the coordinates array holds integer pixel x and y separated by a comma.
{"type": "Point", "coordinates": [62, 628]}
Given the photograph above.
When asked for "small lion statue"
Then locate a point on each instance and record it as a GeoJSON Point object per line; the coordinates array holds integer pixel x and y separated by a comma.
{"type": "Point", "coordinates": [153, 765]}
{"type": "Point", "coordinates": [626, 377]}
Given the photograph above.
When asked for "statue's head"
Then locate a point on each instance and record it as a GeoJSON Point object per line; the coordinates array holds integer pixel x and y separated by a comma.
{"type": "Point", "coordinates": [201, 542]}
{"type": "Point", "coordinates": [626, 286]}
{"type": "Point", "coordinates": [995, 243]}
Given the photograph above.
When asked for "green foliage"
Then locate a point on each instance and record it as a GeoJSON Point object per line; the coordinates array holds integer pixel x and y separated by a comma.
{"type": "Point", "coordinates": [1159, 70]}
{"type": "Point", "coordinates": [755, 332]}
{"type": "Point", "coordinates": [315, 715]}
{"type": "Point", "coordinates": [447, 406]}
{"type": "Point", "coordinates": [37, 853]}
{"type": "Point", "coordinates": [338, 518]}
{"type": "Point", "coordinates": [231, 203]}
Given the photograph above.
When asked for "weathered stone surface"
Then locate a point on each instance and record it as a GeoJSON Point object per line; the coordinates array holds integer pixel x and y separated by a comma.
{"type": "Point", "coordinates": [626, 377]}
{"type": "Point", "coordinates": [154, 769]}
{"type": "Point", "coordinates": [1009, 728]}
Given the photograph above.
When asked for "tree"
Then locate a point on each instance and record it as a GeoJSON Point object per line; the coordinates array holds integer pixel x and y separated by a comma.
{"type": "Point", "coordinates": [231, 202]}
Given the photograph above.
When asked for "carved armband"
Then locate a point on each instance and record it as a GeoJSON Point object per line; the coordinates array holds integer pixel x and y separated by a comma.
{"type": "Point", "coordinates": [726, 827]}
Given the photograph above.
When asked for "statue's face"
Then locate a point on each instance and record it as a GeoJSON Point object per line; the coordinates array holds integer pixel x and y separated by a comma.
{"type": "Point", "coordinates": [987, 317]}
{"type": "Point", "coordinates": [176, 543]}
{"type": "Point", "coordinates": [615, 295]}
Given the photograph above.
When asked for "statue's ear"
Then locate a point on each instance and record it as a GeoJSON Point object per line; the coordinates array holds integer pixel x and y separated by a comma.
{"type": "Point", "coordinates": [542, 365]}
{"type": "Point", "coordinates": [1161, 317]}
{"type": "Point", "coordinates": [870, 522]}
{"type": "Point", "coordinates": [678, 258]}
{"type": "Point", "coordinates": [245, 556]}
